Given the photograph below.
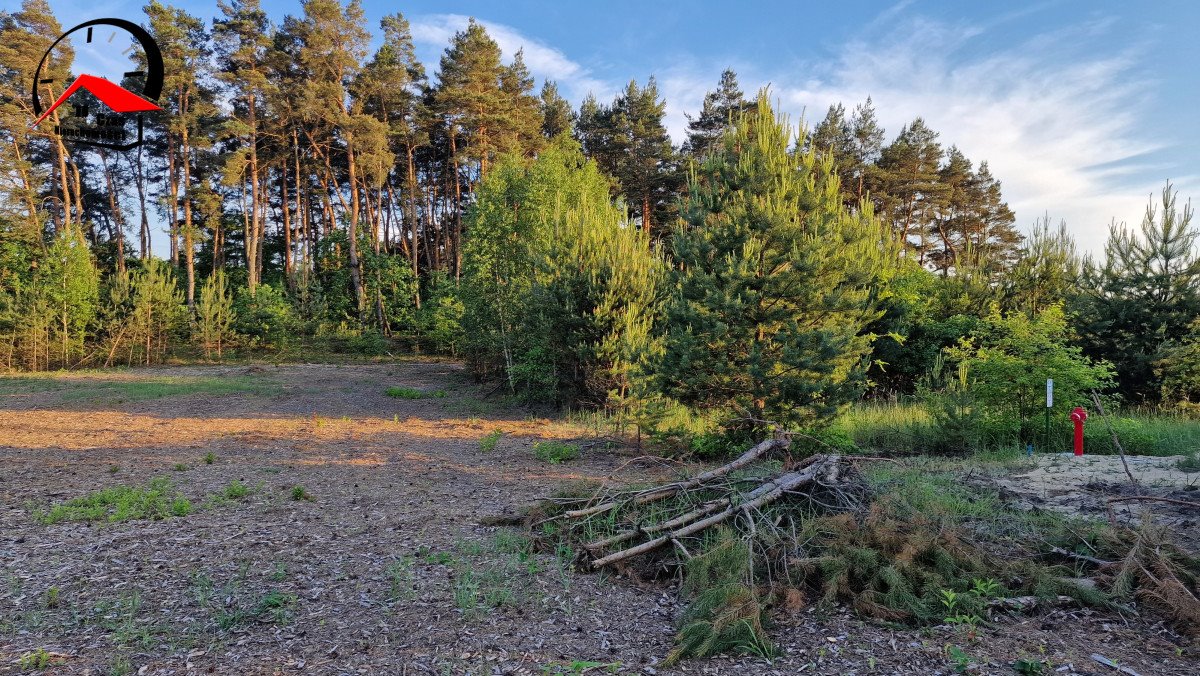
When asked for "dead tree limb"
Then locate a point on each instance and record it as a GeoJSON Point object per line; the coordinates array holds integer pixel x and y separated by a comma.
{"type": "Point", "coordinates": [1116, 441]}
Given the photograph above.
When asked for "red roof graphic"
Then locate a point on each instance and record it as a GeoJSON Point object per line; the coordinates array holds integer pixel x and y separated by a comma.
{"type": "Point", "coordinates": [116, 97]}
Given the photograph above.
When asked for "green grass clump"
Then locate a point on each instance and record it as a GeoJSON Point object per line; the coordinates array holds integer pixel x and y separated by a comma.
{"type": "Point", "coordinates": [555, 452]}
{"type": "Point", "coordinates": [413, 393]}
{"type": "Point", "coordinates": [157, 500]}
{"type": "Point", "coordinates": [236, 490]}
{"type": "Point", "coordinates": [210, 458]}
{"type": "Point", "coordinates": [299, 493]}
{"type": "Point", "coordinates": [488, 443]}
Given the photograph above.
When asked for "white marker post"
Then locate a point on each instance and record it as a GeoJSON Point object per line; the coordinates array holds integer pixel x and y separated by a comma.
{"type": "Point", "coordinates": [1049, 405]}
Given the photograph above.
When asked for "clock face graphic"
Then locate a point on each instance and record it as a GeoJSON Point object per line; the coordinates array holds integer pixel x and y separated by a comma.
{"type": "Point", "coordinates": [117, 75]}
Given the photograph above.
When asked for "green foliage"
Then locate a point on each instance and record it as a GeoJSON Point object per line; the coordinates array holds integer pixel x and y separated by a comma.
{"type": "Point", "coordinates": [442, 315]}
{"type": "Point", "coordinates": [560, 294]}
{"type": "Point", "coordinates": [1178, 365]}
{"type": "Point", "coordinates": [955, 416]}
{"type": "Point", "coordinates": [555, 452]}
{"type": "Point", "coordinates": [1009, 359]}
{"type": "Point", "coordinates": [487, 444]}
{"type": "Point", "coordinates": [775, 285]}
{"type": "Point", "coordinates": [265, 317]}
{"type": "Point", "coordinates": [212, 325]}
{"type": "Point", "coordinates": [36, 660]}
{"type": "Point", "coordinates": [725, 613]}
{"type": "Point", "coordinates": [1145, 292]}
{"type": "Point", "coordinates": [157, 500]}
{"type": "Point", "coordinates": [299, 493]}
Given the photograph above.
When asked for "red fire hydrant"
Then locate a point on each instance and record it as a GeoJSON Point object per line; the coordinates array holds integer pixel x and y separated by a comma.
{"type": "Point", "coordinates": [1077, 417]}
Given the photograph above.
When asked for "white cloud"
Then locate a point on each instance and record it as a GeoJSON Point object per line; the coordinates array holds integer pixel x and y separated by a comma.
{"type": "Point", "coordinates": [544, 62]}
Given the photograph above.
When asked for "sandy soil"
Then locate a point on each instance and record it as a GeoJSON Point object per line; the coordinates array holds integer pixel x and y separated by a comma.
{"type": "Point", "coordinates": [389, 568]}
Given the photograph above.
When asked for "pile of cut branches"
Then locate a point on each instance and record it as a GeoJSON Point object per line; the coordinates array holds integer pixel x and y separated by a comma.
{"type": "Point", "coordinates": [613, 527]}
{"type": "Point", "coordinates": [894, 542]}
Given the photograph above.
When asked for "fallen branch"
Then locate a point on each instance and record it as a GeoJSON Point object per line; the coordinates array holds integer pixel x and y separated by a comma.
{"type": "Point", "coordinates": [1152, 498]}
{"type": "Point", "coordinates": [1116, 441]}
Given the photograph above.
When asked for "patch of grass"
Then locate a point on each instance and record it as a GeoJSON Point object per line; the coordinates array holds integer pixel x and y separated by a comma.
{"type": "Point", "coordinates": [413, 393]}
{"type": "Point", "coordinates": [555, 452]}
{"type": "Point", "coordinates": [487, 444]}
{"type": "Point", "coordinates": [299, 493]}
{"type": "Point", "coordinates": [113, 469]}
{"type": "Point", "coordinates": [401, 579]}
{"type": "Point", "coordinates": [125, 387]}
{"type": "Point", "coordinates": [180, 467]}
{"type": "Point", "coordinates": [275, 606]}
{"type": "Point", "coordinates": [210, 458]}
{"type": "Point", "coordinates": [121, 665]}
{"type": "Point", "coordinates": [157, 500]}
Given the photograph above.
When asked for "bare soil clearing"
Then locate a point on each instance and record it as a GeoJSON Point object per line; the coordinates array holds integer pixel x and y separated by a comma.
{"type": "Point", "coordinates": [389, 568]}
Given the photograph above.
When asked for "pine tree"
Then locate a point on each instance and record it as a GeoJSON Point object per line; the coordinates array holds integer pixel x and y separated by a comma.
{"type": "Point", "coordinates": [390, 88]}
{"type": "Point", "coordinates": [242, 40]}
{"type": "Point", "coordinates": [866, 148]}
{"type": "Point", "coordinates": [332, 46]}
{"type": "Point", "coordinates": [776, 282]}
{"type": "Point", "coordinates": [557, 116]}
{"type": "Point", "coordinates": [1046, 272]}
{"type": "Point", "coordinates": [630, 142]}
{"type": "Point", "coordinates": [24, 37]}
{"type": "Point", "coordinates": [191, 107]}
{"type": "Point", "coordinates": [1144, 294]}
{"type": "Point", "coordinates": [716, 115]}
{"type": "Point", "coordinates": [905, 185]}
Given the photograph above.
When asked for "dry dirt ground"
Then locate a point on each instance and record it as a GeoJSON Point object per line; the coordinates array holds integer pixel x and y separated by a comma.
{"type": "Point", "coordinates": [387, 567]}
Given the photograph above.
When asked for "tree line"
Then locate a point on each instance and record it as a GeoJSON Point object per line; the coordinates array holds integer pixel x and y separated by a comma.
{"type": "Point", "coordinates": [313, 188]}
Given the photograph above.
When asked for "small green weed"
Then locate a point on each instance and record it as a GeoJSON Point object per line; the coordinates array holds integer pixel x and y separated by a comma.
{"type": "Point", "coordinates": [36, 661]}
{"type": "Point", "coordinates": [299, 493]}
{"type": "Point", "coordinates": [180, 467]}
{"type": "Point", "coordinates": [555, 452]}
{"type": "Point", "coordinates": [401, 578]}
{"type": "Point", "coordinates": [404, 393]}
{"type": "Point", "coordinates": [53, 597]}
{"type": "Point", "coordinates": [1030, 667]}
{"type": "Point", "coordinates": [113, 469]}
{"type": "Point", "coordinates": [488, 443]}
{"type": "Point", "coordinates": [210, 458]}
{"type": "Point", "coordinates": [959, 658]}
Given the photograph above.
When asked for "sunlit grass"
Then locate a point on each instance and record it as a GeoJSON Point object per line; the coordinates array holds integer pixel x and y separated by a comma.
{"type": "Point", "coordinates": [123, 386]}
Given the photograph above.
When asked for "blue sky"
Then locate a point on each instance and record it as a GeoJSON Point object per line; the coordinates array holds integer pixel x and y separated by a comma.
{"type": "Point", "coordinates": [1083, 109]}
